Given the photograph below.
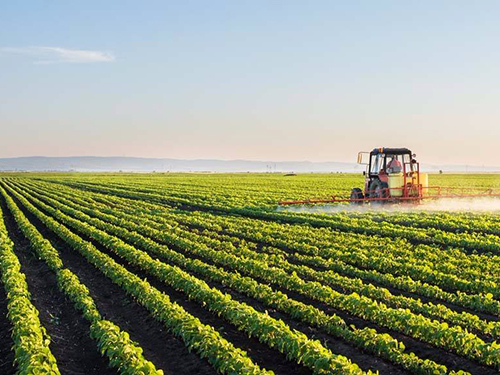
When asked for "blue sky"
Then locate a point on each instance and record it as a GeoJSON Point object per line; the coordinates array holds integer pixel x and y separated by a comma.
{"type": "Point", "coordinates": [259, 80]}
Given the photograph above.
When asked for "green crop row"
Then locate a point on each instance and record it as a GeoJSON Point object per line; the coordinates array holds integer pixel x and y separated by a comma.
{"type": "Point", "coordinates": [32, 354]}
{"type": "Point", "coordinates": [332, 271]}
{"type": "Point", "coordinates": [409, 264]}
{"type": "Point", "coordinates": [123, 354]}
{"type": "Point", "coordinates": [267, 329]}
{"type": "Point", "coordinates": [450, 222]}
{"type": "Point", "coordinates": [336, 260]}
{"type": "Point", "coordinates": [348, 284]}
{"type": "Point", "coordinates": [203, 339]}
{"type": "Point", "coordinates": [472, 241]}
{"type": "Point", "coordinates": [380, 344]}
{"type": "Point", "coordinates": [456, 274]}
{"type": "Point", "coordinates": [436, 266]}
{"type": "Point", "coordinates": [439, 334]}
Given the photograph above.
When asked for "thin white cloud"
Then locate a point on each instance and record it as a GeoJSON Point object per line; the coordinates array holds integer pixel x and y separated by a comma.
{"type": "Point", "coordinates": [49, 55]}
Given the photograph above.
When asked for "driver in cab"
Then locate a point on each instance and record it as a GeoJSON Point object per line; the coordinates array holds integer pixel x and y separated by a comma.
{"type": "Point", "coordinates": [394, 165]}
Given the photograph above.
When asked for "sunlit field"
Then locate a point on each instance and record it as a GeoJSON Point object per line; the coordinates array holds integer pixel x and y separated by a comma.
{"type": "Point", "coordinates": [207, 274]}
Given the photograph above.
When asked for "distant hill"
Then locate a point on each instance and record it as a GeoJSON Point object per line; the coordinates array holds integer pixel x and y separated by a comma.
{"type": "Point", "coordinates": [132, 164]}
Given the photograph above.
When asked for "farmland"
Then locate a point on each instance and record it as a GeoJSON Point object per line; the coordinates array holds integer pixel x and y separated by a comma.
{"type": "Point", "coordinates": [203, 274]}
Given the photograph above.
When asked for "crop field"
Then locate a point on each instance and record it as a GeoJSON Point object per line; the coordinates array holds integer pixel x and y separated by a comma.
{"type": "Point", "coordinates": [205, 274]}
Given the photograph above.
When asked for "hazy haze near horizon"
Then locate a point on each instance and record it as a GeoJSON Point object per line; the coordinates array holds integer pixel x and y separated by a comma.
{"type": "Point", "coordinates": [261, 80]}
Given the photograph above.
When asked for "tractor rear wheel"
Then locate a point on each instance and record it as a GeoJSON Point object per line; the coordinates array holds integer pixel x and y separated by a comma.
{"type": "Point", "coordinates": [357, 193]}
{"type": "Point", "coordinates": [379, 190]}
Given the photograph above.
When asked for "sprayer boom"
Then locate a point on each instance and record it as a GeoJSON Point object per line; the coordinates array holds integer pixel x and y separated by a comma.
{"type": "Point", "coordinates": [429, 193]}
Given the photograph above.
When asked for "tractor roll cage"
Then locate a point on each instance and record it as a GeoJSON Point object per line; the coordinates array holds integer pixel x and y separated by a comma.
{"type": "Point", "coordinates": [385, 152]}
{"type": "Point", "coordinates": [390, 151]}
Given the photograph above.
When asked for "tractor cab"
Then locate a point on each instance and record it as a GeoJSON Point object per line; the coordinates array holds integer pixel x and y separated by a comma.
{"type": "Point", "coordinates": [390, 173]}
{"type": "Point", "coordinates": [385, 161]}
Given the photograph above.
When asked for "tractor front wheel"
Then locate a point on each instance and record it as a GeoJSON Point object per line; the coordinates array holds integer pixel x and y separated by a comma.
{"type": "Point", "coordinates": [379, 190]}
{"type": "Point", "coordinates": [356, 193]}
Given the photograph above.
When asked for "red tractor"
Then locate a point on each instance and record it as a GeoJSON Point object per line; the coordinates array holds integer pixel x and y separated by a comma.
{"type": "Point", "coordinates": [391, 174]}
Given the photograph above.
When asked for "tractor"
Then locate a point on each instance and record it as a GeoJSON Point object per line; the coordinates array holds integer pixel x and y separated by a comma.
{"type": "Point", "coordinates": [392, 174]}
